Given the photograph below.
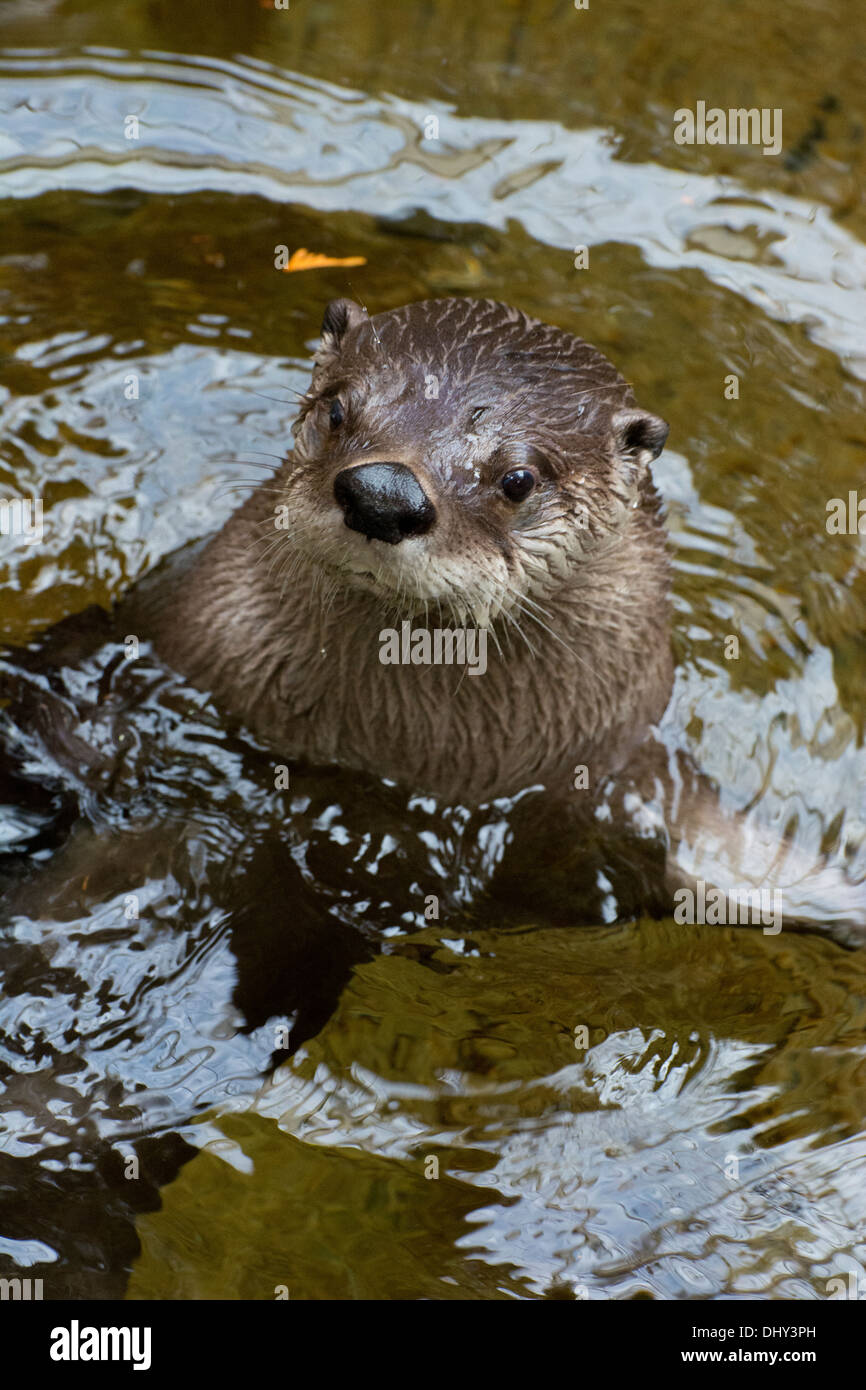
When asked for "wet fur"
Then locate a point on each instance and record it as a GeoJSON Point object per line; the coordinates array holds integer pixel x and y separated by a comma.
{"type": "Point", "coordinates": [283, 625]}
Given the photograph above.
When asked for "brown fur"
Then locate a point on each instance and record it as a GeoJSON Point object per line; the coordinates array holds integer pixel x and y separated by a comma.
{"type": "Point", "coordinates": [283, 625]}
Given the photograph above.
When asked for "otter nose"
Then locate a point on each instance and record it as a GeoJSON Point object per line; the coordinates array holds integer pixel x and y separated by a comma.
{"type": "Point", "coordinates": [384, 501]}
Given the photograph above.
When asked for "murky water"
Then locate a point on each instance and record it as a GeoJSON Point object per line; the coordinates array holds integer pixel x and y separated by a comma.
{"type": "Point", "coordinates": [709, 1140]}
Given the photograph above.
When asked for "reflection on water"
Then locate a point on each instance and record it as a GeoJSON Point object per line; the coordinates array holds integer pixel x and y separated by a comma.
{"type": "Point", "coordinates": [246, 128]}
{"type": "Point", "coordinates": [167, 913]}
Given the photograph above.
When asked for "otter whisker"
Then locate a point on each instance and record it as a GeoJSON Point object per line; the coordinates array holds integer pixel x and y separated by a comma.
{"type": "Point", "coordinates": [293, 390]}
{"type": "Point", "coordinates": [276, 553]}
{"type": "Point", "coordinates": [494, 634]}
{"type": "Point", "coordinates": [269, 541]}
{"type": "Point", "coordinates": [252, 463]}
{"type": "Point", "coordinates": [512, 620]}
{"type": "Point", "coordinates": [238, 484]}
{"type": "Point", "coordinates": [243, 485]}
{"type": "Point", "coordinates": [521, 600]}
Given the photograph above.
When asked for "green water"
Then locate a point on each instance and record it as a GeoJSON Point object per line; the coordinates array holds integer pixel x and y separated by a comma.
{"type": "Point", "coordinates": [710, 1139]}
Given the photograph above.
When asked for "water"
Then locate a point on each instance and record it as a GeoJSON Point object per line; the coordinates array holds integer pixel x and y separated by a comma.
{"type": "Point", "coordinates": [709, 1139]}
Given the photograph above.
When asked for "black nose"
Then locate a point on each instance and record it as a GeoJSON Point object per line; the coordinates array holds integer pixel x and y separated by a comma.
{"type": "Point", "coordinates": [384, 501]}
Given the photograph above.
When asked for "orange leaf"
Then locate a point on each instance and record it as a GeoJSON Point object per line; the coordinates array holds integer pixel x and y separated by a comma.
{"type": "Point", "coordinates": [302, 259]}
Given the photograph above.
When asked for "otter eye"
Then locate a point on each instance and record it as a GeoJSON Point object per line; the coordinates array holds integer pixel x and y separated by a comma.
{"type": "Point", "coordinates": [336, 415]}
{"type": "Point", "coordinates": [518, 483]}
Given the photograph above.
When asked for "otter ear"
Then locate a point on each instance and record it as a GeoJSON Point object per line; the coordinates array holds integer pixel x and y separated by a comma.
{"type": "Point", "coordinates": [638, 437]}
{"type": "Point", "coordinates": [340, 316]}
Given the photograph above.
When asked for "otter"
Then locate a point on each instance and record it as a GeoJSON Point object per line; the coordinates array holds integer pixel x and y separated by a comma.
{"type": "Point", "coordinates": [456, 464]}
{"type": "Point", "coordinates": [459, 465]}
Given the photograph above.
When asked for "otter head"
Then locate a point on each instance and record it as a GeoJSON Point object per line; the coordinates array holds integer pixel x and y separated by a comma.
{"type": "Point", "coordinates": [456, 457]}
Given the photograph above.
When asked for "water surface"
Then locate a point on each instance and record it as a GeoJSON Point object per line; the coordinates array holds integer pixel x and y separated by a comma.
{"type": "Point", "coordinates": [710, 1139]}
